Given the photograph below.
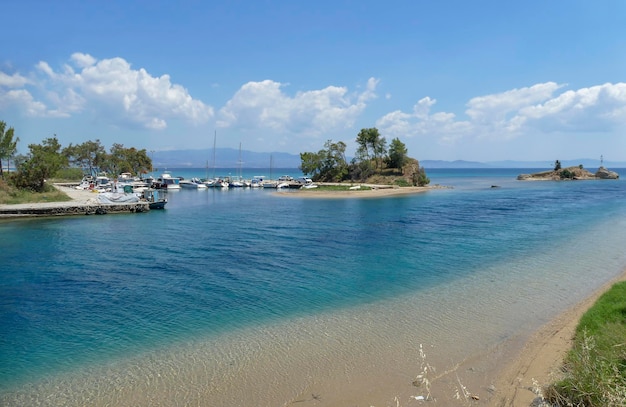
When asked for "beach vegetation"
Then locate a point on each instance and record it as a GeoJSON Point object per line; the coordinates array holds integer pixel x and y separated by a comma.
{"type": "Point", "coordinates": [43, 162]}
{"type": "Point", "coordinates": [373, 163]}
{"type": "Point", "coordinates": [566, 174]}
{"type": "Point", "coordinates": [594, 372]}
{"type": "Point", "coordinates": [328, 164]}
{"type": "Point", "coordinates": [8, 145]}
{"type": "Point", "coordinates": [10, 195]}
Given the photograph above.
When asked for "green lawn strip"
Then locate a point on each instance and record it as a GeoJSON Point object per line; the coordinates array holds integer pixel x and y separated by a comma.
{"type": "Point", "coordinates": [595, 368]}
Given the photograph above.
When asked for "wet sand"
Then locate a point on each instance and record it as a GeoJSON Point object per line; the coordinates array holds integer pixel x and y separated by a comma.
{"type": "Point", "coordinates": [541, 357]}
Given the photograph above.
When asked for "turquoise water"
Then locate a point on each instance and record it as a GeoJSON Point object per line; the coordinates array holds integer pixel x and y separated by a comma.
{"type": "Point", "coordinates": [82, 292]}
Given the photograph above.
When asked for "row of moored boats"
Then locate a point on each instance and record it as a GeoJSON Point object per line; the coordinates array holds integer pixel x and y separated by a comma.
{"type": "Point", "coordinates": [144, 188]}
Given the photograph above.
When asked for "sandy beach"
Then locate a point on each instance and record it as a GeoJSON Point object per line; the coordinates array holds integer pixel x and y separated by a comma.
{"type": "Point", "coordinates": [540, 358]}
{"type": "Point", "coordinates": [374, 192]}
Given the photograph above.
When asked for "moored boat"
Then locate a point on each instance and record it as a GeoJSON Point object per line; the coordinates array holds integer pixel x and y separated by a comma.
{"type": "Point", "coordinates": [166, 181]}
{"type": "Point", "coordinates": [154, 197]}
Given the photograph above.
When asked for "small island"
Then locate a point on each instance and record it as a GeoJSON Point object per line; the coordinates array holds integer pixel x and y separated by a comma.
{"type": "Point", "coordinates": [569, 173]}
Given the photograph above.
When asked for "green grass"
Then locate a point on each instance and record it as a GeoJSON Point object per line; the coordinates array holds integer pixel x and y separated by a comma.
{"type": "Point", "coordinates": [337, 188]}
{"type": "Point", "coordinates": [595, 368]}
{"type": "Point", "coordinates": [10, 195]}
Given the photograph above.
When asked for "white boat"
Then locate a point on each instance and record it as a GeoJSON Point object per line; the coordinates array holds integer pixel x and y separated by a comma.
{"type": "Point", "coordinates": [198, 183]}
{"type": "Point", "coordinates": [166, 181]}
{"type": "Point", "coordinates": [86, 183]}
{"type": "Point", "coordinates": [235, 182]}
{"type": "Point", "coordinates": [193, 183]}
{"type": "Point", "coordinates": [216, 183]}
{"type": "Point", "coordinates": [257, 181]}
{"type": "Point", "coordinates": [102, 183]}
{"type": "Point", "coordinates": [270, 184]}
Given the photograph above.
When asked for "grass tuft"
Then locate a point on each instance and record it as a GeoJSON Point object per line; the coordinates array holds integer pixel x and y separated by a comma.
{"type": "Point", "coordinates": [595, 368]}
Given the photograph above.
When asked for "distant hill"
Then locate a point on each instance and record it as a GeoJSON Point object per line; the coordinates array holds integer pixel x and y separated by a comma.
{"type": "Point", "coordinates": [229, 158]}
{"type": "Point", "coordinates": [452, 164]}
{"type": "Point", "coordinates": [224, 158]}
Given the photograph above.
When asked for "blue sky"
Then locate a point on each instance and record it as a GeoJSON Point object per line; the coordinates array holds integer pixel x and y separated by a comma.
{"type": "Point", "coordinates": [470, 80]}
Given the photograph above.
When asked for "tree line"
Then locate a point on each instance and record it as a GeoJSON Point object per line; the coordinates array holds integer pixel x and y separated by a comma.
{"type": "Point", "coordinates": [373, 156]}
{"type": "Point", "coordinates": [44, 160]}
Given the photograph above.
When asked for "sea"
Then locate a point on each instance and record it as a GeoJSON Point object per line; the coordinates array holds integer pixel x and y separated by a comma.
{"type": "Point", "coordinates": [246, 297]}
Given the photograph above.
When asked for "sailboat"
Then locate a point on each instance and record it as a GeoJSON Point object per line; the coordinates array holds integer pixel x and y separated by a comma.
{"type": "Point", "coordinates": [237, 181]}
{"type": "Point", "coordinates": [270, 183]}
{"type": "Point", "coordinates": [215, 182]}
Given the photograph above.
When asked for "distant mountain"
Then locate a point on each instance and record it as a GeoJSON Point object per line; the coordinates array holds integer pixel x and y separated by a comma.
{"type": "Point", "coordinates": [229, 158]}
{"type": "Point", "coordinates": [452, 164]}
{"type": "Point", "coordinates": [224, 158]}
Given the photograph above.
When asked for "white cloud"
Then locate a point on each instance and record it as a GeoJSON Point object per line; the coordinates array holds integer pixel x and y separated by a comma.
{"type": "Point", "coordinates": [22, 99]}
{"type": "Point", "coordinates": [115, 91]}
{"type": "Point", "coordinates": [12, 81]}
{"type": "Point", "coordinates": [264, 105]}
{"type": "Point", "coordinates": [515, 113]}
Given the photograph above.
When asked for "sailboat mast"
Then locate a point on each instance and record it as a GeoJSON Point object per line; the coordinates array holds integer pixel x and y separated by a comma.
{"type": "Point", "coordinates": [214, 141]}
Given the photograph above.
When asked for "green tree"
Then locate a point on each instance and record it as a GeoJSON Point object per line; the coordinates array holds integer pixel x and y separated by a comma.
{"type": "Point", "coordinates": [8, 145]}
{"type": "Point", "coordinates": [371, 146]}
{"type": "Point", "coordinates": [89, 156]}
{"type": "Point", "coordinates": [328, 164]}
{"type": "Point", "coordinates": [121, 159]}
{"type": "Point", "coordinates": [311, 164]}
{"type": "Point", "coordinates": [44, 160]}
{"type": "Point", "coordinates": [397, 154]}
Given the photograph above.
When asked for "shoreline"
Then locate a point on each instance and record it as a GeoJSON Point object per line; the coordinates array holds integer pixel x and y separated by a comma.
{"type": "Point", "coordinates": [374, 192]}
{"type": "Point", "coordinates": [82, 202]}
{"type": "Point", "coordinates": [538, 361]}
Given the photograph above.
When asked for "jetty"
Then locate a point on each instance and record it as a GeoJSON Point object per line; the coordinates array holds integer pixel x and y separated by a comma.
{"type": "Point", "coordinates": [82, 203]}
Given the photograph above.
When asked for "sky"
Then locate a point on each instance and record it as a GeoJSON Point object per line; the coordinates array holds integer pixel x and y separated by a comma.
{"type": "Point", "coordinates": [453, 80]}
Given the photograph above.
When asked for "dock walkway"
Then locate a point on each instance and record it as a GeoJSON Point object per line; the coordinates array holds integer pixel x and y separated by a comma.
{"type": "Point", "coordinates": [82, 203]}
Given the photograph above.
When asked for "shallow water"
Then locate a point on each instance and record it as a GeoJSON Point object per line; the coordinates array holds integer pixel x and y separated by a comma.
{"type": "Point", "coordinates": [241, 297]}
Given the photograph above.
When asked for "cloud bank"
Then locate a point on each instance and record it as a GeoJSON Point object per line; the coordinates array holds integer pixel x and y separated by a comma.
{"type": "Point", "coordinates": [110, 88]}
{"type": "Point", "coordinates": [265, 115]}
{"type": "Point", "coordinates": [515, 113]}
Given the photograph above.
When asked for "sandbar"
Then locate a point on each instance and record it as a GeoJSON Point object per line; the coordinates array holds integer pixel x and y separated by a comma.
{"type": "Point", "coordinates": [372, 192]}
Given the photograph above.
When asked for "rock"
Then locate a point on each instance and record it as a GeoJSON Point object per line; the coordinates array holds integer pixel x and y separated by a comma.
{"type": "Point", "coordinates": [570, 173]}
{"type": "Point", "coordinates": [603, 173]}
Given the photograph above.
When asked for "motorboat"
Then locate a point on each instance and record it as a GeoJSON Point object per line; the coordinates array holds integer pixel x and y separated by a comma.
{"type": "Point", "coordinates": [166, 181]}
{"type": "Point", "coordinates": [102, 183]}
{"type": "Point", "coordinates": [257, 181]}
{"type": "Point", "coordinates": [154, 197]}
{"type": "Point", "coordinates": [193, 183]}
{"type": "Point", "coordinates": [216, 183]}
{"type": "Point", "coordinates": [86, 183]}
